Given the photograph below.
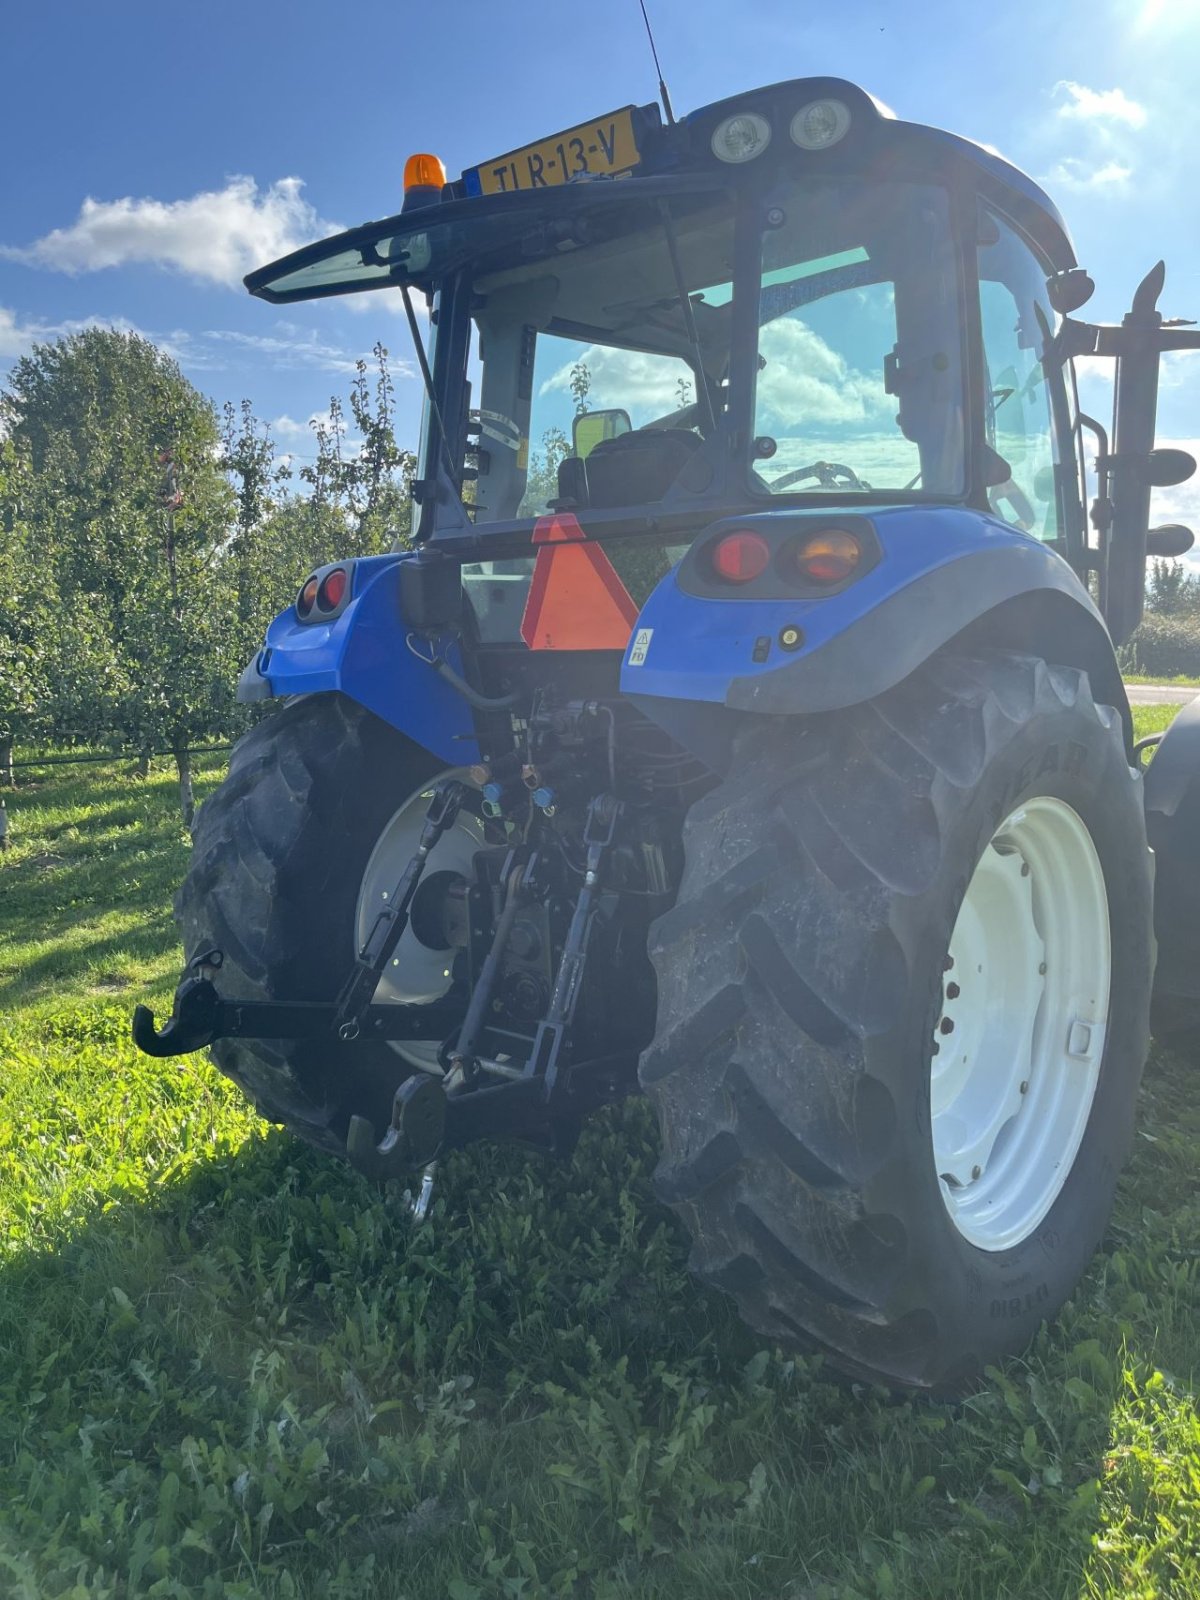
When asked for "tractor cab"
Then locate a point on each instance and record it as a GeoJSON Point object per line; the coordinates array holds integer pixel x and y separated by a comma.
{"type": "Point", "coordinates": [787, 301]}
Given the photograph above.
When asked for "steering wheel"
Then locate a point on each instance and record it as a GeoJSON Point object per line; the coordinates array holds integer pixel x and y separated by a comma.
{"type": "Point", "coordinates": [829, 475]}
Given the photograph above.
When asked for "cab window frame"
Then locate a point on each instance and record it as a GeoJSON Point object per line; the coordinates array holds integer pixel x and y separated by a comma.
{"type": "Point", "coordinates": [960, 200]}
{"type": "Point", "coordinates": [1071, 539]}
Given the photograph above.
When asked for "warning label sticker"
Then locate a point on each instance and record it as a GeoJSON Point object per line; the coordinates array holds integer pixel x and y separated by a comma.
{"type": "Point", "coordinates": [641, 645]}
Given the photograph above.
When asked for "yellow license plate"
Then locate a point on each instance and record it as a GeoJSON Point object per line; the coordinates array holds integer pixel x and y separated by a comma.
{"type": "Point", "coordinates": [601, 147]}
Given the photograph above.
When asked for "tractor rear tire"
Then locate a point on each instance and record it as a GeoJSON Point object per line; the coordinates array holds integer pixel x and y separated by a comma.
{"type": "Point", "coordinates": [279, 852]}
{"type": "Point", "coordinates": [803, 984]}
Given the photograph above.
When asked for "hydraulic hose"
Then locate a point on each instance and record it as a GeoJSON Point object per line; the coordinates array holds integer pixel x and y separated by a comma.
{"type": "Point", "coordinates": [481, 702]}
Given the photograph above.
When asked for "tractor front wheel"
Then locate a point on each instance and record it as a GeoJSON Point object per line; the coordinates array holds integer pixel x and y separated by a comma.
{"type": "Point", "coordinates": [903, 1012]}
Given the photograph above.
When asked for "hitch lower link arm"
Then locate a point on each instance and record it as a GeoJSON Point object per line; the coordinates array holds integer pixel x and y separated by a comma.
{"type": "Point", "coordinates": [393, 919]}
{"type": "Point", "coordinates": [418, 1130]}
{"type": "Point", "coordinates": [199, 1014]}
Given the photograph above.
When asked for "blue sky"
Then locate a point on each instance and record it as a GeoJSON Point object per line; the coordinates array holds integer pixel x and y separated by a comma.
{"type": "Point", "coordinates": [157, 152]}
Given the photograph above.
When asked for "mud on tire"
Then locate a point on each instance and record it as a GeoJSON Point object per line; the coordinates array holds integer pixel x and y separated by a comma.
{"type": "Point", "coordinates": [800, 982]}
{"type": "Point", "coordinates": [278, 858]}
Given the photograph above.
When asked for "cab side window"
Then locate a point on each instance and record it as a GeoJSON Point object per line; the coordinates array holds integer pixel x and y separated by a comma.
{"type": "Point", "coordinates": [1017, 320]}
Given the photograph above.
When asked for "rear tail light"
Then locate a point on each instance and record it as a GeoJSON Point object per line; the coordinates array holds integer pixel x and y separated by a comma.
{"type": "Point", "coordinates": [740, 557]}
{"type": "Point", "coordinates": [307, 598]}
{"type": "Point", "coordinates": [828, 557]}
{"type": "Point", "coordinates": [332, 590]}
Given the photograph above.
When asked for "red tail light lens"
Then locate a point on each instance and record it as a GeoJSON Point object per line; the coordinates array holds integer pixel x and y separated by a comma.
{"type": "Point", "coordinates": [740, 557]}
{"type": "Point", "coordinates": [828, 557]}
{"type": "Point", "coordinates": [307, 598]}
{"type": "Point", "coordinates": [333, 590]}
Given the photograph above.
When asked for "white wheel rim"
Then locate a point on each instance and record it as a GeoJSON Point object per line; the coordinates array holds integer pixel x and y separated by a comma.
{"type": "Point", "coordinates": [1018, 1046]}
{"type": "Point", "coordinates": [416, 974]}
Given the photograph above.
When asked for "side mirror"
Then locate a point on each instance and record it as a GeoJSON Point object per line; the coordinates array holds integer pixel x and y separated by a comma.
{"type": "Point", "coordinates": [1165, 468]}
{"type": "Point", "coordinates": [1069, 290]}
{"type": "Point", "coordinates": [592, 427]}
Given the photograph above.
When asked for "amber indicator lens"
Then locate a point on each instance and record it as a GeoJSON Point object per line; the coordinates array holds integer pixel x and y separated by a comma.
{"type": "Point", "coordinates": [307, 598]}
{"type": "Point", "coordinates": [828, 557]}
{"type": "Point", "coordinates": [333, 589]}
{"type": "Point", "coordinates": [740, 557]}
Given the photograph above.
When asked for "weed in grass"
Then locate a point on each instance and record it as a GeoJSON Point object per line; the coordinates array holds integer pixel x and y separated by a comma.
{"type": "Point", "coordinates": [229, 1368]}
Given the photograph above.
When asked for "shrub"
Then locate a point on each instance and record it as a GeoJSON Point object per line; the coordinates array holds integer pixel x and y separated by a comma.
{"type": "Point", "coordinates": [1167, 646]}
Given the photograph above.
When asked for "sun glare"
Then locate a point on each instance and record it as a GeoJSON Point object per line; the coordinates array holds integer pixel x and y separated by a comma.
{"type": "Point", "coordinates": [1172, 13]}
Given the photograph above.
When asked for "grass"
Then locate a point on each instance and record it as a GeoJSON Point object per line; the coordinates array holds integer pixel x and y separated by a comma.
{"type": "Point", "coordinates": [228, 1368]}
{"type": "Point", "coordinates": [1153, 719]}
{"type": "Point", "coordinates": [1181, 682]}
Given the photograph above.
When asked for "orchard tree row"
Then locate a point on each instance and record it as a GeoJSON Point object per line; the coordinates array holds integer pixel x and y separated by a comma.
{"type": "Point", "coordinates": [146, 540]}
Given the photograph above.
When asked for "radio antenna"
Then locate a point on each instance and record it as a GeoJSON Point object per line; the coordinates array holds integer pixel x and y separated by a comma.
{"type": "Point", "coordinates": [662, 82]}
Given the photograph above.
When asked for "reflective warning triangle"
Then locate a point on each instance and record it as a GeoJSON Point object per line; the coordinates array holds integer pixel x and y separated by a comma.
{"type": "Point", "coordinates": [576, 600]}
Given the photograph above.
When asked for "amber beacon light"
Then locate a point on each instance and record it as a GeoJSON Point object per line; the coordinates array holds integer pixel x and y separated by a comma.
{"type": "Point", "coordinates": [423, 172]}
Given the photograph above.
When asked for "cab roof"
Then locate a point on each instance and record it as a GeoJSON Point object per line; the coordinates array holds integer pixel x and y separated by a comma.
{"type": "Point", "coordinates": [872, 122]}
{"type": "Point", "coordinates": [871, 140]}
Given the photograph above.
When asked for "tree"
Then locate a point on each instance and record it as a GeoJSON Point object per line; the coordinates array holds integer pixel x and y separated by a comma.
{"type": "Point", "coordinates": [1170, 591]}
{"type": "Point", "coordinates": [541, 482]}
{"type": "Point", "coordinates": [371, 485]}
{"type": "Point", "coordinates": [58, 672]}
{"type": "Point", "coordinates": [25, 614]}
{"type": "Point", "coordinates": [581, 387]}
{"type": "Point", "coordinates": [101, 418]}
{"type": "Point", "coordinates": [248, 460]}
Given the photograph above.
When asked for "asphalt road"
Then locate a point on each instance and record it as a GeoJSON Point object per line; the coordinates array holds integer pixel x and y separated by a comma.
{"type": "Point", "coordinates": [1157, 694]}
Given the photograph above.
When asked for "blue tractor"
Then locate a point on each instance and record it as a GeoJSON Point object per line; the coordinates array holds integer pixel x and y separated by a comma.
{"type": "Point", "coordinates": [742, 722]}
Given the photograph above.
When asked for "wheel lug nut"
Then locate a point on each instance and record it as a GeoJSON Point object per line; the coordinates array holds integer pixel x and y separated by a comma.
{"type": "Point", "coordinates": [946, 1025]}
{"type": "Point", "coordinates": [976, 1171]}
{"type": "Point", "coordinates": [952, 991]}
{"type": "Point", "coordinates": [1024, 869]}
{"type": "Point", "coordinates": [1041, 969]}
{"type": "Point", "coordinates": [1025, 1086]}
{"type": "Point", "coordinates": [947, 964]}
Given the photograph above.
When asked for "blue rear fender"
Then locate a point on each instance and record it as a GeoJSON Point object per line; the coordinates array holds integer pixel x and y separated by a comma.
{"type": "Point", "coordinates": [937, 572]}
{"type": "Point", "coordinates": [361, 653]}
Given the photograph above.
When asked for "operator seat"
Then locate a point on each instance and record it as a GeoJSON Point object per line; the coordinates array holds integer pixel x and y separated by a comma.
{"type": "Point", "coordinates": [632, 469]}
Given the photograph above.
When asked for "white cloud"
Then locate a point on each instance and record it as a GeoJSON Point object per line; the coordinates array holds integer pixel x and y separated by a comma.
{"type": "Point", "coordinates": [1100, 105]}
{"type": "Point", "coordinates": [287, 348]}
{"type": "Point", "coordinates": [18, 336]}
{"type": "Point", "coordinates": [292, 348]}
{"type": "Point", "coordinates": [300, 434]}
{"type": "Point", "coordinates": [1179, 369]}
{"type": "Point", "coordinates": [285, 427]}
{"type": "Point", "coordinates": [374, 302]}
{"type": "Point", "coordinates": [216, 236]}
{"type": "Point", "coordinates": [805, 379]}
{"type": "Point", "coordinates": [884, 459]}
{"type": "Point", "coordinates": [1072, 173]}
{"type": "Point", "coordinates": [644, 385]}
{"type": "Point", "coordinates": [1094, 369]}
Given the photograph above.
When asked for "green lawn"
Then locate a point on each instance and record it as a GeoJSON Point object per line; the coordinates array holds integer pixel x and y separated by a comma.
{"type": "Point", "coordinates": [229, 1368]}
